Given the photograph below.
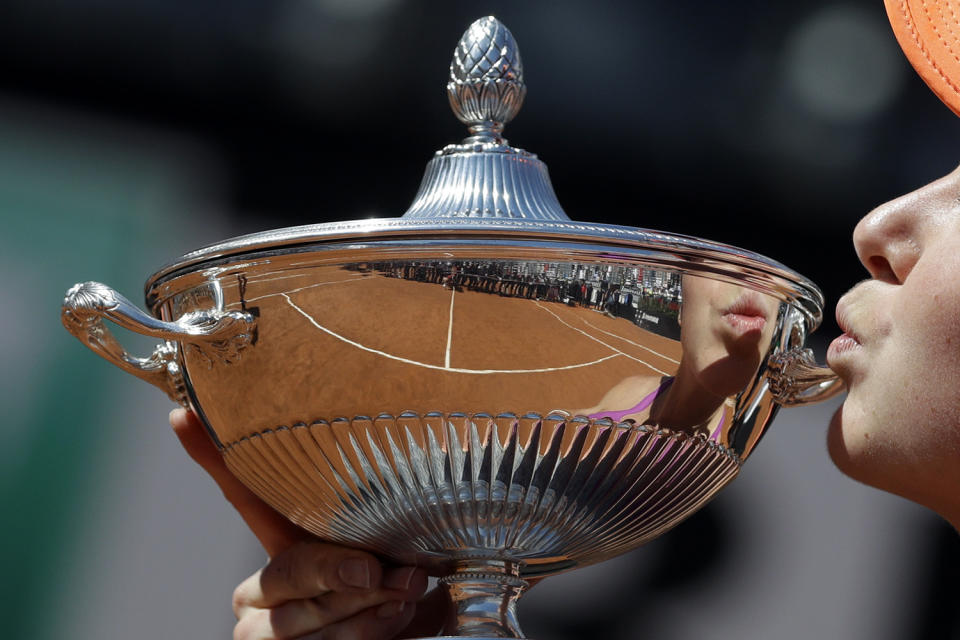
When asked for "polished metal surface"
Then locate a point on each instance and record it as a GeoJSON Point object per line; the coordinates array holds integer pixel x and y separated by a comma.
{"type": "Point", "coordinates": [486, 86]}
{"type": "Point", "coordinates": [482, 387]}
{"type": "Point", "coordinates": [484, 176]}
{"type": "Point", "coordinates": [473, 334]}
{"type": "Point", "coordinates": [797, 379]}
{"type": "Point", "coordinates": [211, 334]}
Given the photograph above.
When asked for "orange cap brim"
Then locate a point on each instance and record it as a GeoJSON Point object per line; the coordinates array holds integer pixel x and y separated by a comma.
{"type": "Point", "coordinates": [929, 34]}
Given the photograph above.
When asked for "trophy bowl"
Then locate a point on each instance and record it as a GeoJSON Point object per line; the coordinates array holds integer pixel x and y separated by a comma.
{"type": "Point", "coordinates": [481, 387]}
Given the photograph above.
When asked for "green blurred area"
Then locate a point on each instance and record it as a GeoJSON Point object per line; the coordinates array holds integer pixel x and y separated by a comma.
{"type": "Point", "coordinates": [79, 200]}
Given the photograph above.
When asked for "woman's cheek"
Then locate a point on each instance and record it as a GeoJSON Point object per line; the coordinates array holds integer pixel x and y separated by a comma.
{"type": "Point", "coordinates": [929, 360]}
{"type": "Point", "coordinates": [868, 435]}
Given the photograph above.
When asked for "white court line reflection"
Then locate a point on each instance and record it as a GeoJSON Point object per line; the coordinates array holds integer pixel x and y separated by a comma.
{"type": "Point", "coordinates": [438, 367]}
{"type": "Point", "coordinates": [446, 358]}
{"type": "Point", "coordinates": [636, 344]}
{"type": "Point", "coordinates": [595, 339]}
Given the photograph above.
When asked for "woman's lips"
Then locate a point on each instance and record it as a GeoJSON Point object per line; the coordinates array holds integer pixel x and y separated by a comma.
{"type": "Point", "coordinates": [848, 341]}
{"type": "Point", "coordinates": [746, 315]}
{"type": "Point", "coordinates": [744, 323]}
{"type": "Point", "coordinates": [844, 343]}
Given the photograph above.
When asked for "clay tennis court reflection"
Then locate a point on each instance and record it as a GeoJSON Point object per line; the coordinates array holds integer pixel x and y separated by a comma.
{"type": "Point", "coordinates": [482, 336]}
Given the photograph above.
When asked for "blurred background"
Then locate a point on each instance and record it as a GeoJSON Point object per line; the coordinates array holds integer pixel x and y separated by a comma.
{"type": "Point", "coordinates": [134, 131]}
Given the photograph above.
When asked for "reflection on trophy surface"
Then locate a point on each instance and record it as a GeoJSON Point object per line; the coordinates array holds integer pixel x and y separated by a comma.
{"type": "Point", "coordinates": [481, 387]}
{"type": "Point", "coordinates": [725, 330]}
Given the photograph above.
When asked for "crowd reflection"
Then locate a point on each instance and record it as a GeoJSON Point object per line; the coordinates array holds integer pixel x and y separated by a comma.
{"type": "Point", "coordinates": [649, 298]}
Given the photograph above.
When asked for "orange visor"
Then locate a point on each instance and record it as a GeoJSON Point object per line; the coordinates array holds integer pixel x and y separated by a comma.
{"type": "Point", "coordinates": [929, 34]}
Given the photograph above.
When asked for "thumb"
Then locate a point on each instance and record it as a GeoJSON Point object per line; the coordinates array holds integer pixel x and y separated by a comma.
{"type": "Point", "coordinates": [274, 531]}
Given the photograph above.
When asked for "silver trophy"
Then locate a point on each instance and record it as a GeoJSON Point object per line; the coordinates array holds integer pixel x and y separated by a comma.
{"type": "Point", "coordinates": [481, 387]}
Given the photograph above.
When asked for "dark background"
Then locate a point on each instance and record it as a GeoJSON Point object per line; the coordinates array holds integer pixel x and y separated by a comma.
{"type": "Point", "coordinates": [770, 125]}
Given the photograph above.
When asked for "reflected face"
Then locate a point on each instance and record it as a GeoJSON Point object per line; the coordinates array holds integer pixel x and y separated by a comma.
{"type": "Point", "coordinates": [899, 428]}
{"type": "Point", "coordinates": [725, 330]}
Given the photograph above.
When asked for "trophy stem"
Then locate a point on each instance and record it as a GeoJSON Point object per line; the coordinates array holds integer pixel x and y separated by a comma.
{"type": "Point", "coordinates": [484, 593]}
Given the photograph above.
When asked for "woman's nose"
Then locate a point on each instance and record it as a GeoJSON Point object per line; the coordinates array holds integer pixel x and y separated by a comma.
{"type": "Point", "coordinates": [891, 238]}
{"type": "Point", "coordinates": [884, 243]}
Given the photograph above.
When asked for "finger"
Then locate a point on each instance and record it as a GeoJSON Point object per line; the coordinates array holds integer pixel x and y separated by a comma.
{"type": "Point", "coordinates": [296, 618]}
{"type": "Point", "coordinates": [308, 570]}
{"type": "Point", "coordinates": [274, 532]}
{"type": "Point", "coordinates": [311, 569]}
{"type": "Point", "coordinates": [376, 623]}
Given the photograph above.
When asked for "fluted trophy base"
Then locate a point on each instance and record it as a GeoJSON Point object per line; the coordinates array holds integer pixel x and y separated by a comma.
{"type": "Point", "coordinates": [483, 502]}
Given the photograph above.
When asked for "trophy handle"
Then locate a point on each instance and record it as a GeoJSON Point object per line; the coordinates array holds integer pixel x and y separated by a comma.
{"type": "Point", "coordinates": [796, 379]}
{"type": "Point", "coordinates": [214, 334]}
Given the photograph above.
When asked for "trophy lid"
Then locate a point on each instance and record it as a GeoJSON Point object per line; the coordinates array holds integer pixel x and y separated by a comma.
{"type": "Point", "coordinates": [483, 191]}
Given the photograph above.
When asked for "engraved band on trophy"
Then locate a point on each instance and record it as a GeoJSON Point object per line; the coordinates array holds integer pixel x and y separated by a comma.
{"type": "Point", "coordinates": [482, 387]}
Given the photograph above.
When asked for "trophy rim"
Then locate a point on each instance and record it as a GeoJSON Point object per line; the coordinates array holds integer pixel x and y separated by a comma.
{"type": "Point", "coordinates": [687, 253]}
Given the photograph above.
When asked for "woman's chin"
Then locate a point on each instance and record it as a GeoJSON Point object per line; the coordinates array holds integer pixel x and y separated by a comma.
{"type": "Point", "coordinates": [870, 458]}
{"type": "Point", "coordinates": [850, 449]}
{"type": "Point", "coordinates": [836, 443]}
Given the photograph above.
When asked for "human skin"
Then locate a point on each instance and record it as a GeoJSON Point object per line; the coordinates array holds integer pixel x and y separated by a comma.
{"type": "Point", "coordinates": [725, 331]}
{"type": "Point", "coordinates": [899, 427]}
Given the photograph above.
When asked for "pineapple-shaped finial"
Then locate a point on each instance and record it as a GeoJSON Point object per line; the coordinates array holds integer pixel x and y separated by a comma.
{"type": "Point", "coordinates": [486, 85]}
